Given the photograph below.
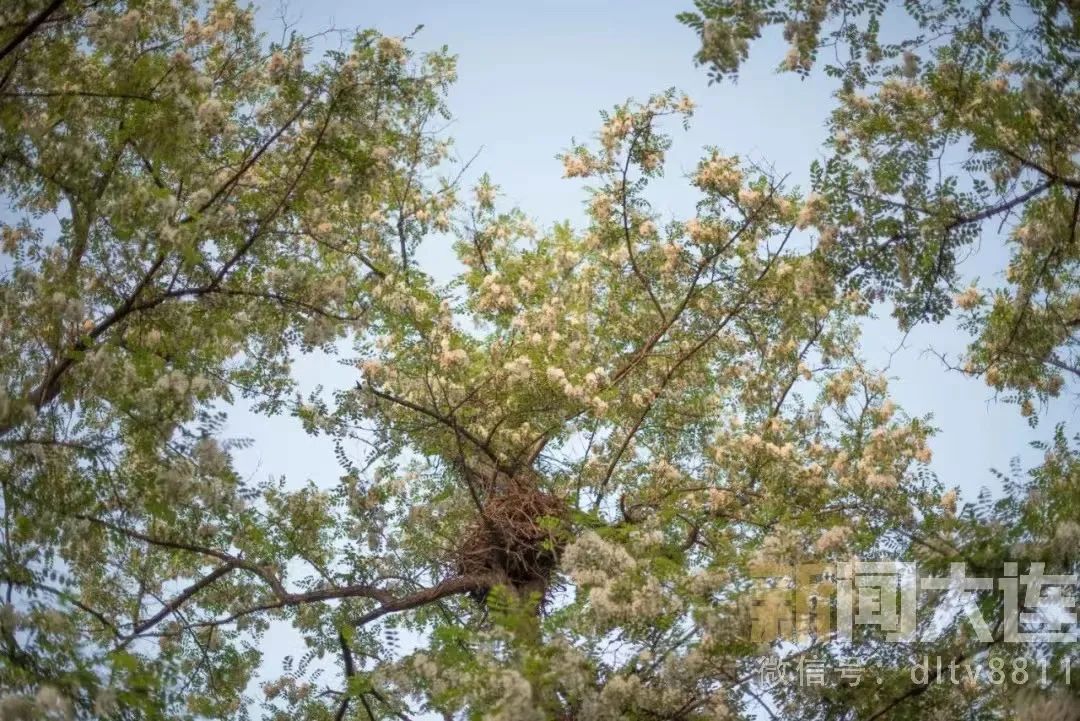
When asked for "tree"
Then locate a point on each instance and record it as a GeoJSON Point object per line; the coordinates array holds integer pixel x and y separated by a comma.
{"type": "Point", "coordinates": [964, 122]}
{"type": "Point", "coordinates": [577, 454]}
{"type": "Point", "coordinates": [189, 208]}
{"type": "Point", "coordinates": [959, 126]}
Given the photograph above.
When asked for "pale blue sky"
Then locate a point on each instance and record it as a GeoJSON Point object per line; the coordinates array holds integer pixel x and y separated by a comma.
{"type": "Point", "coordinates": [532, 76]}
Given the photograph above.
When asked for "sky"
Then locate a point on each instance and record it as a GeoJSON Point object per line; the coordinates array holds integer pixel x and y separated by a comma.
{"type": "Point", "coordinates": [532, 77]}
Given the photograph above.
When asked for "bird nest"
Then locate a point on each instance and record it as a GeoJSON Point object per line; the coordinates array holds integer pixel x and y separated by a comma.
{"type": "Point", "coordinates": [516, 539]}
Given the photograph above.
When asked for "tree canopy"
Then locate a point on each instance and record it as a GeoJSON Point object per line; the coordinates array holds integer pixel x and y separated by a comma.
{"type": "Point", "coordinates": [577, 453]}
{"type": "Point", "coordinates": [964, 122]}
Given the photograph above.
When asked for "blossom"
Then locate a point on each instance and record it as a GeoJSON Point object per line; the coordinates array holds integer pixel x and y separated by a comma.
{"type": "Point", "coordinates": [910, 64]}
{"type": "Point", "coordinates": [371, 368]}
{"type": "Point", "coordinates": [515, 702]}
{"type": "Point", "coordinates": [881, 481]}
{"type": "Point", "coordinates": [210, 112]}
{"type": "Point", "coordinates": [575, 166]}
{"type": "Point", "coordinates": [451, 356]}
{"type": "Point", "coordinates": [948, 501]}
{"type": "Point", "coordinates": [838, 388]}
{"type": "Point", "coordinates": [192, 32]}
{"type": "Point", "coordinates": [391, 48]}
{"type": "Point", "coordinates": [719, 174]}
{"type": "Point", "coordinates": [651, 160]}
{"type": "Point", "coordinates": [749, 197]}
{"type": "Point", "coordinates": [718, 498]}
{"type": "Point", "coordinates": [694, 229]}
{"type": "Point", "coordinates": [615, 130]}
{"type": "Point", "coordinates": [810, 211]}
{"type": "Point", "coordinates": [129, 23]}
{"type": "Point", "coordinates": [601, 206]}
{"type": "Point", "coordinates": [792, 59]}
{"type": "Point", "coordinates": [277, 65]}
{"type": "Point", "coordinates": [485, 194]}
{"type": "Point", "coordinates": [833, 538]}
{"type": "Point", "coordinates": [519, 369]}
{"type": "Point", "coordinates": [590, 560]}
{"type": "Point", "coordinates": [970, 298]}
{"type": "Point", "coordinates": [52, 703]}
{"type": "Point", "coordinates": [556, 375]}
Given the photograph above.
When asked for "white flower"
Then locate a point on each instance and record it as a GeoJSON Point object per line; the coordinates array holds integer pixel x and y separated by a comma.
{"type": "Point", "coordinates": [590, 560]}
{"type": "Point", "coordinates": [277, 64]}
{"type": "Point", "coordinates": [129, 22]}
{"type": "Point", "coordinates": [448, 356]}
{"type": "Point", "coordinates": [948, 501]}
{"type": "Point", "coordinates": [749, 197]}
{"type": "Point", "coordinates": [969, 299]}
{"type": "Point", "coordinates": [833, 538]}
{"type": "Point", "coordinates": [652, 160]}
{"type": "Point", "coordinates": [391, 48]}
{"type": "Point", "coordinates": [792, 59]}
{"type": "Point", "coordinates": [485, 195]}
{"type": "Point", "coordinates": [574, 166]}
{"type": "Point", "coordinates": [719, 174]}
{"type": "Point", "coordinates": [105, 702]}
{"type": "Point", "coordinates": [210, 112]}
{"type": "Point", "coordinates": [520, 369]}
{"type": "Point", "coordinates": [51, 701]}
{"type": "Point", "coordinates": [882, 481]}
{"type": "Point", "coordinates": [694, 229]}
{"type": "Point", "coordinates": [615, 130]}
{"type": "Point", "coordinates": [810, 211]}
{"type": "Point", "coordinates": [371, 368]}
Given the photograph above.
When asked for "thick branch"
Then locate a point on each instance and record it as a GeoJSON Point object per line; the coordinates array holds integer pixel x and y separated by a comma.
{"type": "Point", "coordinates": [30, 28]}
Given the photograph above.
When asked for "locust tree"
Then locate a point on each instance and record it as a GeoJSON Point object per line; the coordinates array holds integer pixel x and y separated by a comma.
{"type": "Point", "coordinates": [952, 122]}
{"type": "Point", "coordinates": [953, 131]}
{"type": "Point", "coordinates": [188, 206]}
{"type": "Point", "coordinates": [560, 469]}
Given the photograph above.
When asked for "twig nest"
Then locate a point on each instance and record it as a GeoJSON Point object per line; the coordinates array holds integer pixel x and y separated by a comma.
{"type": "Point", "coordinates": [517, 538]}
